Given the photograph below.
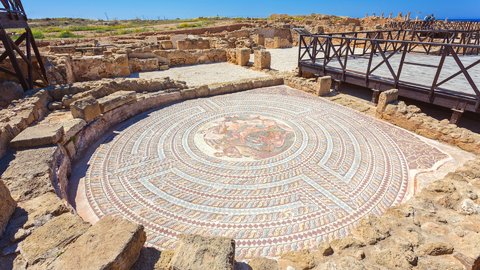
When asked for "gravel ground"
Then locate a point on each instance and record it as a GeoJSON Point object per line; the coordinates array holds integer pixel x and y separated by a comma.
{"type": "Point", "coordinates": [205, 74]}
{"type": "Point", "coordinates": [284, 59]}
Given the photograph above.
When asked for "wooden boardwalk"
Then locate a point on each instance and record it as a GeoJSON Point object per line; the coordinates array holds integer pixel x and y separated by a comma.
{"type": "Point", "coordinates": [423, 75]}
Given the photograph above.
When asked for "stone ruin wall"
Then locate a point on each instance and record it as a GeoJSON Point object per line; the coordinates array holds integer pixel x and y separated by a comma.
{"type": "Point", "coordinates": [37, 177]}
{"type": "Point", "coordinates": [438, 228]}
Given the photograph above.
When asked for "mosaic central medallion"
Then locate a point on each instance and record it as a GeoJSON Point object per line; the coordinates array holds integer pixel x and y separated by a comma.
{"type": "Point", "coordinates": [273, 168]}
{"type": "Point", "coordinates": [245, 137]}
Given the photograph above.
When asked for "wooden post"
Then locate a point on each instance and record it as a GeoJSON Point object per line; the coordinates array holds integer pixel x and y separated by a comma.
{"type": "Point", "coordinates": [456, 115]}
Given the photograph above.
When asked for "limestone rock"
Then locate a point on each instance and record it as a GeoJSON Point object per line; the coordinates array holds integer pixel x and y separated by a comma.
{"type": "Point", "coordinates": [243, 56]}
{"type": "Point", "coordinates": [38, 135]}
{"type": "Point", "coordinates": [116, 100]}
{"type": "Point", "coordinates": [143, 65]}
{"type": "Point", "coordinates": [343, 263]}
{"type": "Point", "coordinates": [324, 84]}
{"type": "Point", "coordinates": [325, 249]}
{"type": "Point", "coordinates": [394, 258]}
{"type": "Point", "coordinates": [262, 59]}
{"type": "Point", "coordinates": [7, 207]}
{"type": "Point", "coordinates": [112, 243]}
{"type": "Point", "coordinates": [197, 252]}
{"type": "Point", "coordinates": [72, 127]}
{"type": "Point", "coordinates": [87, 109]}
{"type": "Point", "coordinates": [33, 172]}
{"type": "Point", "coordinates": [435, 249]}
{"type": "Point", "coordinates": [43, 246]}
{"type": "Point", "coordinates": [298, 260]}
{"type": "Point", "coordinates": [469, 207]}
{"type": "Point", "coordinates": [153, 259]}
{"type": "Point", "coordinates": [347, 242]}
{"type": "Point", "coordinates": [260, 263]}
{"type": "Point", "coordinates": [371, 230]}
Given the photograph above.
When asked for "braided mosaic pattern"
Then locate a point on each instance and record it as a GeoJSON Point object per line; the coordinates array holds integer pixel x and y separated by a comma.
{"type": "Point", "coordinates": [273, 168]}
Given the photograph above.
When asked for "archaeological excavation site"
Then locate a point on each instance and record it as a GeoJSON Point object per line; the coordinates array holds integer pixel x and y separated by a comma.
{"type": "Point", "coordinates": [279, 143]}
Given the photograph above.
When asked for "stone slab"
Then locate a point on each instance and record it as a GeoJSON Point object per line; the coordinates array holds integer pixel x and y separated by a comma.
{"type": "Point", "coordinates": [112, 243]}
{"type": "Point", "coordinates": [39, 135]}
{"type": "Point", "coordinates": [197, 252]}
{"type": "Point", "coordinates": [116, 100]}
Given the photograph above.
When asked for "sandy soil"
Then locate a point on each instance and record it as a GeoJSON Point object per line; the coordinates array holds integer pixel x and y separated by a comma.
{"type": "Point", "coordinates": [204, 74]}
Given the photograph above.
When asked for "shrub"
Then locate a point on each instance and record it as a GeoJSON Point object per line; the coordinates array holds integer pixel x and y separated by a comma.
{"type": "Point", "coordinates": [37, 34]}
{"type": "Point", "coordinates": [67, 34]}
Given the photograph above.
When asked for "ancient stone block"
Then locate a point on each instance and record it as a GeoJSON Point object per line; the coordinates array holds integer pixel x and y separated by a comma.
{"type": "Point", "coordinates": [324, 84]}
{"type": "Point", "coordinates": [143, 65]}
{"type": "Point", "coordinates": [436, 249]}
{"type": "Point", "coordinates": [87, 109]}
{"type": "Point", "coordinates": [112, 243]}
{"type": "Point", "coordinates": [152, 40]}
{"type": "Point", "coordinates": [87, 68]}
{"type": "Point", "coordinates": [260, 39]}
{"type": "Point", "coordinates": [188, 93]}
{"type": "Point", "coordinates": [166, 44]}
{"type": "Point", "coordinates": [232, 56]}
{"type": "Point", "coordinates": [202, 91]}
{"type": "Point", "coordinates": [193, 44]}
{"type": "Point", "coordinates": [39, 135]}
{"type": "Point", "coordinates": [263, 264]}
{"type": "Point", "coordinates": [43, 246]}
{"type": "Point", "coordinates": [280, 43]}
{"type": "Point", "coordinates": [197, 252]}
{"type": "Point", "coordinates": [385, 98]}
{"type": "Point", "coordinates": [7, 206]}
{"type": "Point", "coordinates": [116, 100]}
{"type": "Point", "coordinates": [243, 56]}
{"type": "Point", "coordinates": [297, 260]}
{"type": "Point", "coordinates": [72, 127]}
{"type": "Point", "coordinates": [262, 59]}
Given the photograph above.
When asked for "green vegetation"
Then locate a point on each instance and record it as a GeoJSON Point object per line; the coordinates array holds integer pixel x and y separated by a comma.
{"type": "Point", "coordinates": [67, 34]}
{"type": "Point", "coordinates": [75, 28]}
{"type": "Point", "coordinates": [38, 34]}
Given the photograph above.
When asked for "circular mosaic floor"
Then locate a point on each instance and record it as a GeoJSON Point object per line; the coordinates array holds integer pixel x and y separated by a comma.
{"type": "Point", "coordinates": [273, 168]}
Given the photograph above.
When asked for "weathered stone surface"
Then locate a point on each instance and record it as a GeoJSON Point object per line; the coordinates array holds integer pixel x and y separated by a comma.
{"type": "Point", "coordinates": [72, 127]}
{"type": "Point", "coordinates": [325, 249]}
{"type": "Point", "coordinates": [243, 56]}
{"type": "Point", "coordinates": [38, 135]}
{"type": "Point", "coordinates": [263, 264]}
{"type": "Point", "coordinates": [87, 109]}
{"type": "Point", "coordinates": [298, 260]}
{"type": "Point", "coordinates": [7, 207]}
{"type": "Point", "coordinates": [87, 68]}
{"type": "Point", "coordinates": [385, 98]}
{"type": "Point", "coordinates": [262, 59]}
{"type": "Point", "coordinates": [324, 84]}
{"type": "Point", "coordinates": [279, 43]}
{"type": "Point", "coordinates": [143, 65]}
{"type": "Point", "coordinates": [436, 249]}
{"type": "Point", "coordinates": [29, 216]}
{"type": "Point", "coordinates": [112, 243]}
{"type": "Point", "coordinates": [33, 172]}
{"type": "Point", "coordinates": [193, 44]}
{"type": "Point", "coordinates": [46, 243]}
{"type": "Point", "coordinates": [153, 259]}
{"type": "Point", "coordinates": [116, 100]}
{"type": "Point", "coordinates": [197, 252]}
{"type": "Point", "coordinates": [371, 230]}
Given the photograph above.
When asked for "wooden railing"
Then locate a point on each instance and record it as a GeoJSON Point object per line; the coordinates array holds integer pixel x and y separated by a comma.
{"type": "Point", "coordinates": [332, 53]}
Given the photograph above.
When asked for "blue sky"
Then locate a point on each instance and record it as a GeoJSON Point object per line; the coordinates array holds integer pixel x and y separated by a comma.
{"type": "Point", "coordinates": [170, 9]}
